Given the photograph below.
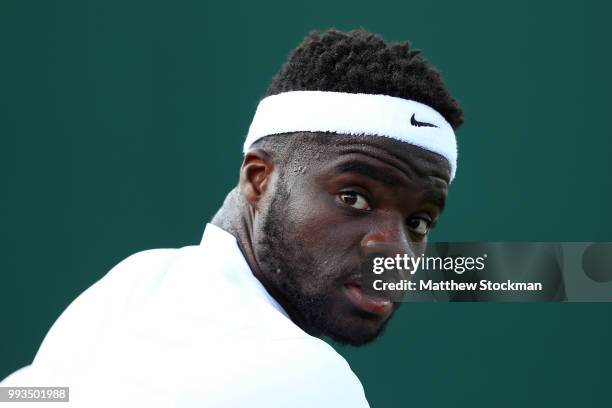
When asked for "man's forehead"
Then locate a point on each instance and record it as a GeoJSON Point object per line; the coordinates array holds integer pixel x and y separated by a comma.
{"type": "Point", "coordinates": [408, 158]}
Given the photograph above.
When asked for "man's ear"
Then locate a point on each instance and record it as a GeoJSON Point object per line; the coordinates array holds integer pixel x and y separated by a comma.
{"type": "Point", "coordinates": [255, 175]}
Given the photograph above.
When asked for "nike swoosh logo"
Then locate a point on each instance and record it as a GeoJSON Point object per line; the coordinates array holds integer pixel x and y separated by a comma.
{"type": "Point", "coordinates": [416, 123]}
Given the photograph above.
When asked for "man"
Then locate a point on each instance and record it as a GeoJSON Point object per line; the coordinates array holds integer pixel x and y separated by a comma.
{"type": "Point", "coordinates": [349, 156]}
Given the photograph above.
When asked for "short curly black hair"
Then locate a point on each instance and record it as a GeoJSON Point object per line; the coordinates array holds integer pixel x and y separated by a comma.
{"type": "Point", "coordinates": [359, 61]}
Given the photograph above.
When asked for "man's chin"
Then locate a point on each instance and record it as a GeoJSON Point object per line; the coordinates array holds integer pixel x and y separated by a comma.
{"type": "Point", "coordinates": [356, 338]}
{"type": "Point", "coordinates": [357, 330]}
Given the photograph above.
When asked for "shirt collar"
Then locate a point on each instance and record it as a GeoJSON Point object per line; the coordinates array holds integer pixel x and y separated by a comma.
{"type": "Point", "coordinates": [221, 243]}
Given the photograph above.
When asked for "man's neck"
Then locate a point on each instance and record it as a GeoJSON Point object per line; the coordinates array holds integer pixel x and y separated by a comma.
{"type": "Point", "coordinates": [236, 217]}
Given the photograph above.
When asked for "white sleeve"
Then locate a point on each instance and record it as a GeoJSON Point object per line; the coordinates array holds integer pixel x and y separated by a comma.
{"type": "Point", "coordinates": [301, 372]}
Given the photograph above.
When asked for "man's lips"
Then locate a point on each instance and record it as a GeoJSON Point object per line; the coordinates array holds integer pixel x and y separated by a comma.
{"type": "Point", "coordinates": [370, 303]}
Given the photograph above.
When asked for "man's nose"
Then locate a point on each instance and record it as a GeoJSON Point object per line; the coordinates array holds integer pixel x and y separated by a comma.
{"type": "Point", "coordinates": [387, 238]}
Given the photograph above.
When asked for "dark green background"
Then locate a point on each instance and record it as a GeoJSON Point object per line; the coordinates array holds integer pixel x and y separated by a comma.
{"type": "Point", "coordinates": [121, 130]}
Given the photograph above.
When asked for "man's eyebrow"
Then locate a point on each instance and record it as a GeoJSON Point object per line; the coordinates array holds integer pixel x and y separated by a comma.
{"type": "Point", "coordinates": [435, 197]}
{"type": "Point", "coordinates": [370, 171]}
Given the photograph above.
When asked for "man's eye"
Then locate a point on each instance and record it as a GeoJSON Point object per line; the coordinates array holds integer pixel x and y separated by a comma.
{"type": "Point", "coordinates": [419, 225]}
{"type": "Point", "coordinates": [354, 200]}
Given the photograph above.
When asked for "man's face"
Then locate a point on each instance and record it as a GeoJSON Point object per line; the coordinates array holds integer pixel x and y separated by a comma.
{"type": "Point", "coordinates": [323, 222]}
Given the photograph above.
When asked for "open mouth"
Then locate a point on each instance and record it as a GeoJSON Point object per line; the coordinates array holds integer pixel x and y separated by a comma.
{"type": "Point", "coordinates": [368, 302]}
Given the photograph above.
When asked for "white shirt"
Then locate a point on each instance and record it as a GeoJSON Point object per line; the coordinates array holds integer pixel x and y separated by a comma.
{"type": "Point", "coordinates": [189, 327]}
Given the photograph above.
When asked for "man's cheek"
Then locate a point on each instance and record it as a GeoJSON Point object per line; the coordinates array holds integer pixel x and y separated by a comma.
{"type": "Point", "coordinates": [332, 233]}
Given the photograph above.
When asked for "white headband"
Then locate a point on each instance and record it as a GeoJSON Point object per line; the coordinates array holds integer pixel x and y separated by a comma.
{"type": "Point", "coordinates": [355, 114]}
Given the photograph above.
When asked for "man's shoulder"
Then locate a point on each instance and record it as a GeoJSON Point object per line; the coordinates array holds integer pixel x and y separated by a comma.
{"type": "Point", "coordinates": [101, 305]}
{"type": "Point", "coordinates": [203, 330]}
{"type": "Point", "coordinates": [147, 261]}
{"type": "Point", "coordinates": [180, 297]}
